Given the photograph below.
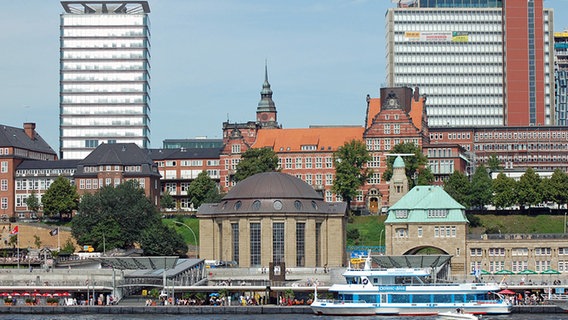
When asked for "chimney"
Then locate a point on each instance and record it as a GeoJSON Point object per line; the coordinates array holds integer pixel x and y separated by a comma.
{"type": "Point", "coordinates": [29, 129]}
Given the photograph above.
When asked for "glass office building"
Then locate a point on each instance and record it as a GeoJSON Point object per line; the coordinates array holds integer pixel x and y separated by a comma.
{"type": "Point", "coordinates": [474, 71]}
{"type": "Point", "coordinates": [104, 75]}
{"type": "Point", "coordinates": [561, 76]}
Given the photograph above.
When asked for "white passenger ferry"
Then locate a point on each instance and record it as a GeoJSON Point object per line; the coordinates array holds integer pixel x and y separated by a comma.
{"type": "Point", "coordinates": [408, 292]}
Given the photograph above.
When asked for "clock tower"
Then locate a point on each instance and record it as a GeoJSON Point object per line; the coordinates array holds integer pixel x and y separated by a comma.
{"type": "Point", "coordinates": [266, 110]}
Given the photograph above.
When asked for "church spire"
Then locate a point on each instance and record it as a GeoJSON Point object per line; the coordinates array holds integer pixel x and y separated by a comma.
{"type": "Point", "coordinates": [266, 110]}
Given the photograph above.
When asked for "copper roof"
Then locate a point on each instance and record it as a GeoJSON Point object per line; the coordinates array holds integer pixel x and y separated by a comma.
{"type": "Point", "coordinates": [272, 185]}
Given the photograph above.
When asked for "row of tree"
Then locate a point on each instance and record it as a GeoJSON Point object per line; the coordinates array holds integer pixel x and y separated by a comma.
{"type": "Point", "coordinates": [113, 217]}
{"type": "Point", "coordinates": [505, 192]}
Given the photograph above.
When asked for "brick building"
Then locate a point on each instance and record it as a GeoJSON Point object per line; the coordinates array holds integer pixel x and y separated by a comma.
{"type": "Point", "coordinates": [113, 164]}
{"type": "Point", "coordinates": [16, 146]}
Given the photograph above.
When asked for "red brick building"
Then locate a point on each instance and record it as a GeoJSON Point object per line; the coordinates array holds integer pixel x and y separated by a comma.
{"type": "Point", "coordinates": [16, 146]}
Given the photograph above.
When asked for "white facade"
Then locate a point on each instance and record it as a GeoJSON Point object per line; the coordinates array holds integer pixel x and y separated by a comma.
{"type": "Point", "coordinates": [104, 70]}
{"type": "Point", "coordinates": [455, 57]}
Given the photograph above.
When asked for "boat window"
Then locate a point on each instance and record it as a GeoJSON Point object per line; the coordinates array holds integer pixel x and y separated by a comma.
{"type": "Point", "coordinates": [459, 298]}
{"type": "Point", "coordinates": [442, 298]}
{"type": "Point", "coordinates": [471, 297]}
{"type": "Point", "coordinates": [421, 298]}
{"type": "Point", "coordinates": [369, 298]}
{"type": "Point", "coordinates": [375, 280]}
{"type": "Point", "coordinates": [400, 298]}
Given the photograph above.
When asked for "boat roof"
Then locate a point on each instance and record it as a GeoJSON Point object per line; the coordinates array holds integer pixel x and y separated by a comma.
{"type": "Point", "coordinates": [412, 261]}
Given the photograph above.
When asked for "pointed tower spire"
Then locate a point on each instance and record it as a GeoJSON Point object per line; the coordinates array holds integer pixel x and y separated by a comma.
{"type": "Point", "coordinates": [266, 110]}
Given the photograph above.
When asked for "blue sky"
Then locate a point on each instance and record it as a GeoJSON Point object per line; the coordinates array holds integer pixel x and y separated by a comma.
{"type": "Point", "coordinates": [324, 57]}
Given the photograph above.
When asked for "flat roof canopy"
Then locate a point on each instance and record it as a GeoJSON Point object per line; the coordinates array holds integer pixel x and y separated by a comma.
{"type": "Point", "coordinates": [136, 263]}
{"type": "Point", "coordinates": [412, 261]}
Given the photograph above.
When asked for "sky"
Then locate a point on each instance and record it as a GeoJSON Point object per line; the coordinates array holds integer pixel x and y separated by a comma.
{"type": "Point", "coordinates": [208, 58]}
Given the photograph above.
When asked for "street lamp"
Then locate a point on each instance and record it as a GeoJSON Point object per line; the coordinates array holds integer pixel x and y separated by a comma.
{"type": "Point", "coordinates": [380, 239]}
{"type": "Point", "coordinates": [193, 233]}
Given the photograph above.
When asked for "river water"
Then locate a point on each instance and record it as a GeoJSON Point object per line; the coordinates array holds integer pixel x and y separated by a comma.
{"type": "Point", "coordinates": [257, 317]}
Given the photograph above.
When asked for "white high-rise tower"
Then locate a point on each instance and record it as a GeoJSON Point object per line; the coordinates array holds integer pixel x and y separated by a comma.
{"type": "Point", "coordinates": [104, 75]}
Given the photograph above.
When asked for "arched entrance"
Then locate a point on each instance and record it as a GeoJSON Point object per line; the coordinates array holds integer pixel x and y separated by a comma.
{"type": "Point", "coordinates": [373, 201]}
{"type": "Point", "coordinates": [425, 251]}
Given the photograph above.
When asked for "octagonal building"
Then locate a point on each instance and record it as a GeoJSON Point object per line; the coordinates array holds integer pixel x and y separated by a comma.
{"type": "Point", "coordinates": [273, 217]}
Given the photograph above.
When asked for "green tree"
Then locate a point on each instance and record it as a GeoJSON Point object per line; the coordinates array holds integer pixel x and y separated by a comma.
{"type": "Point", "coordinates": [558, 184]}
{"type": "Point", "coordinates": [458, 187]}
{"type": "Point", "coordinates": [350, 170]}
{"type": "Point", "coordinates": [37, 241]}
{"type": "Point", "coordinates": [255, 161]}
{"type": "Point", "coordinates": [425, 177]}
{"type": "Point", "coordinates": [68, 247]}
{"type": "Point", "coordinates": [529, 193]}
{"type": "Point", "coordinates": [504, 191]}
{"type": "Point", "coordinates": [203, 190]}
{"type": "Point", "coordinates": [167, 201]}
{"type": "Point", "coordinates": [494, 164]}
{"type": "Point", "coordinates": [60, 199]}
{"type": "Point", "coordinates": [160, 240]}
{"type": "Point", "coordinates": [118, 217]}
{"type": "Point", "coordinates": [412, 163]}
{"type": "Point", "coordinates": [481, 188]}
{"type": "Point", "coordinates": [32, 202]}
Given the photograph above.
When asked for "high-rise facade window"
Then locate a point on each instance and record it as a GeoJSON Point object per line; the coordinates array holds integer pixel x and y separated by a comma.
{"type": "Point", "coordinates": [104, 75]}
{"type": "Point", "coordinates": [462, 53]}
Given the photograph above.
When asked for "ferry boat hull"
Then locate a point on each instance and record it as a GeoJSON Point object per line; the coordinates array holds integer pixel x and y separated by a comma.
{"type": "Point", "coordinates": [337, 308]}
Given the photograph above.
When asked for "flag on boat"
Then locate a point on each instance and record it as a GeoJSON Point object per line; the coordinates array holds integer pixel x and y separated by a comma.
{"type": "Point", "coordinates": [54, 232]}
{"type": "Point", "coordinates": [14, 231]}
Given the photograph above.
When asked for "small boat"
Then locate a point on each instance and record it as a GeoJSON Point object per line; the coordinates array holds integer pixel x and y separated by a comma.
{"type": "Point", "coordinates": [457, 315]}
{"type": "Point", "coordinates": [408, 292]}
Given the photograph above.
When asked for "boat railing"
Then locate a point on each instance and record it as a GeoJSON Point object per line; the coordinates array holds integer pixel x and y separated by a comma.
{"type": "Point", "coordinates": [337, 301]}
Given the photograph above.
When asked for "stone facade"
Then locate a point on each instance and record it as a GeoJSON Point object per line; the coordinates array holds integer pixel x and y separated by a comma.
{"type": "Point", "coordinates": [273, 217]}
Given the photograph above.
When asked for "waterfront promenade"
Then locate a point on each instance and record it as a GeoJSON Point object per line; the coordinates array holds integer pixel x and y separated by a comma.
{"type": "Point", "coordinates": [200, 310]}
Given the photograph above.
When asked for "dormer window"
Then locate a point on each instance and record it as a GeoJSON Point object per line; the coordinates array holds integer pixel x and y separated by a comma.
{"type": "Point", "coordinates": [437, 213]}
{"type": "Point", "coordinates": [401, 214]}
{"type": "Point", "coordinates": [309, 147]}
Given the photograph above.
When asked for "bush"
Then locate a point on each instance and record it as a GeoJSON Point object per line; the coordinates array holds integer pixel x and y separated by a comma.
{"type": "Point", "coordinates": [52, 300]}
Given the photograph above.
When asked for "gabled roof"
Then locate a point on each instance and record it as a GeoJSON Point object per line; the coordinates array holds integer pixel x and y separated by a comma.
{"type": "Point", "coordinates": [184, 153]}
{"type": "Point", "coordinates": [117, 154]}
{"type": "Point", "coordinates": [420, 200]}
{"type": "Point", "coordinates": [17, 137]}
{"type": "Point", "coordinates": [42, 164]}
{"type": "Point", "coordinates": [292, 140]}
{"type": "Point", "coordinates": [416, 111]}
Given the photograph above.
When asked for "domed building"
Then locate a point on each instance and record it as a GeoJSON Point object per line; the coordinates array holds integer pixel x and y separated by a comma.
{"type": "Point", "coordinates": [273, 217]}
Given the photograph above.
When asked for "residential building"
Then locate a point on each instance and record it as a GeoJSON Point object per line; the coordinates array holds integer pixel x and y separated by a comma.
{"type": "Point", "coordinates": [561, 76]}
{"type": "Point", "coordinates": [113, 164]}
{"type": "Point", "coordinates": [16, 146]}
{"type": "Point", "coordinates": [480, 63]}
{"type": "Point", "coordinates": [542, 148]}
{"type": "Point", "coordinates": [35, 177]}
{"type": "Point", "coordinates": [104, 75]}
{"type": "Point", "coordinates": [179, 167]}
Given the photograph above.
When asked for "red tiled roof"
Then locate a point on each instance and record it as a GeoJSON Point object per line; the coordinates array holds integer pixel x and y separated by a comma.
{"type": "Point", "coordinates": [292, 140]}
